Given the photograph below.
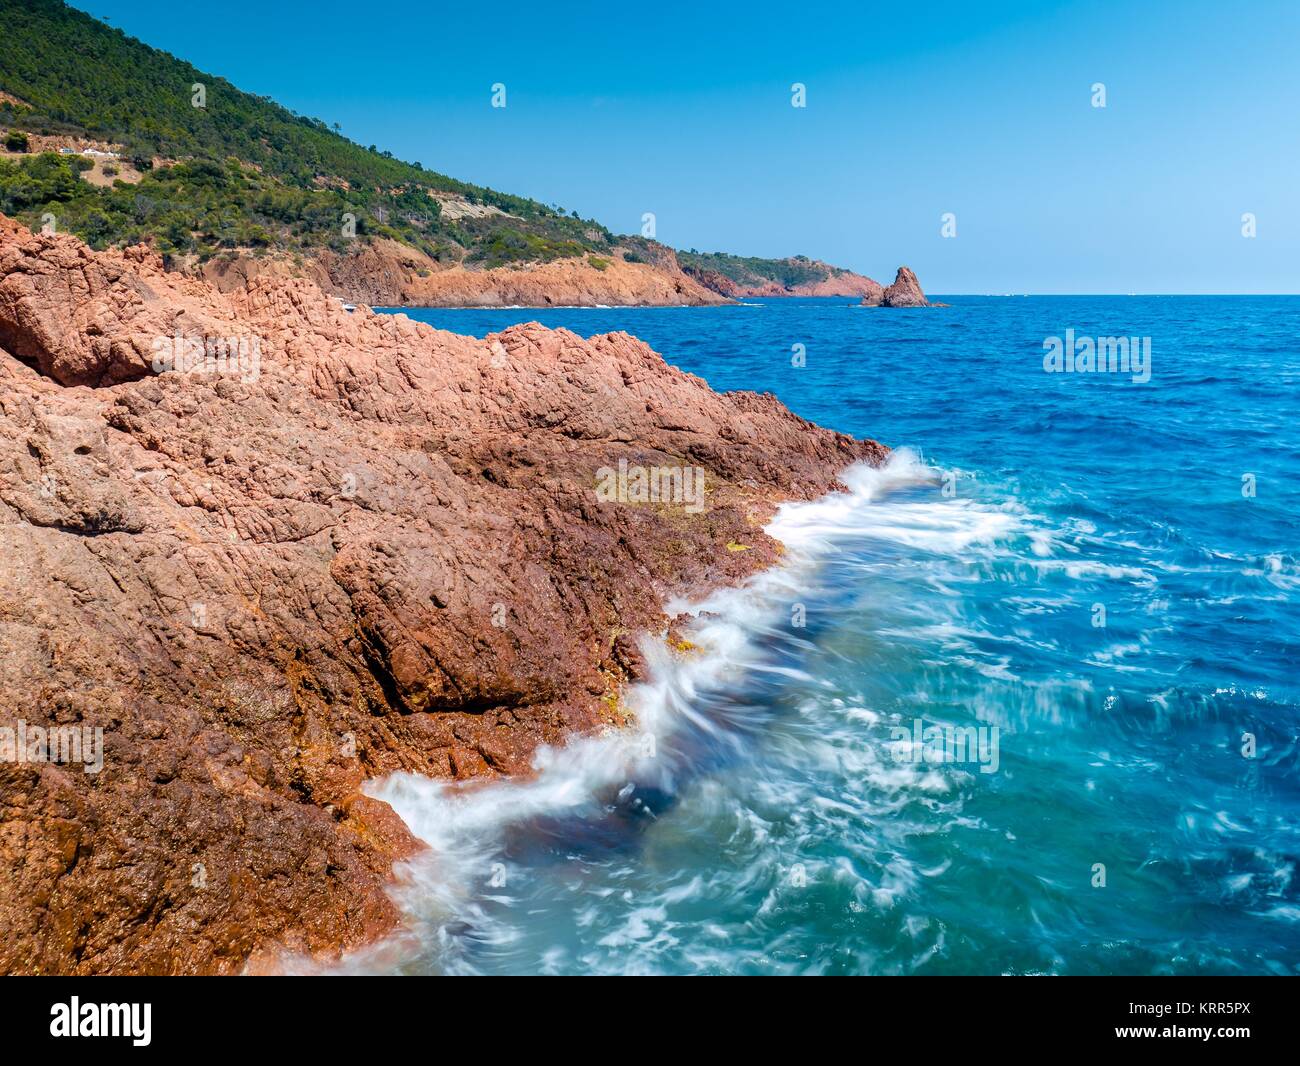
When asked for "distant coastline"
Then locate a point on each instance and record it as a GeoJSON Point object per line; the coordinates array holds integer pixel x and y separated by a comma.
{"type": "Point", "coordinates": [386, 273]}
{"type": "Point", "coordinates": [231, 187]}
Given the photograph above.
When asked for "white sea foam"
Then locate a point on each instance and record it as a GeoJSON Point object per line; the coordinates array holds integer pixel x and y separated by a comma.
{"type": "Point", "coordinates": [467, 826]}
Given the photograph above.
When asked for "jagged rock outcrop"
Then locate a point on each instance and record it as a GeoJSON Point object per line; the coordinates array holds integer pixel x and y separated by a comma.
{"type": "Point", "coordinates": [335, 546]}
{"type": "Point", "coordinates": [904, 292]}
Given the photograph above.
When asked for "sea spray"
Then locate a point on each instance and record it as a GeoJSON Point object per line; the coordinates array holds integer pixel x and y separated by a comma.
{"type": "Point", "coordinates": [596, 795]}
{"type": "Point", "coordinates": [1159, 743]}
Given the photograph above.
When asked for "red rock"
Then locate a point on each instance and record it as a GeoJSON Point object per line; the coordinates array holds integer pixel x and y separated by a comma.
{"type": "Point", "coordinates": [904, 292]}
{"type": "Point", "coordinates": [381, 551]}
{"type": "Point", "coordinates": [385, 273]}
{"type": "Point", "coordinates": [836, 283]}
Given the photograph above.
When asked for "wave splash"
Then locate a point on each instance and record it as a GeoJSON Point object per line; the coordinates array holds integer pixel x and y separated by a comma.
{"type": "Point", "coordinates": [593, 796]}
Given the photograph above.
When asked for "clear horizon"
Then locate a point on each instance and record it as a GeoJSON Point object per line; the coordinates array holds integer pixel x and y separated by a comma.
{"type": "Point", "coordinates": [985, 116]}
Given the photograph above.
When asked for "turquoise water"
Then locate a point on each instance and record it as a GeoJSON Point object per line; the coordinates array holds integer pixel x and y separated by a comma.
{"type": "Point", "coordinates": [1136, 809]}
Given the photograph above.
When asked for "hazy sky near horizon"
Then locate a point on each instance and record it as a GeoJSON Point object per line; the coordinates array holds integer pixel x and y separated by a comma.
{"type": "Point", "coordinates": [684, 110]}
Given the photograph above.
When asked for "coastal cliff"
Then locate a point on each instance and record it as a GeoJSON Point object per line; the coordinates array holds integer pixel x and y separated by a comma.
{"type": "Point", "coordinates": [739, 277]}
{"type": "Point", "coordinates": [386, 273]}
{"type": "Point", "coordinates": [317, 547]}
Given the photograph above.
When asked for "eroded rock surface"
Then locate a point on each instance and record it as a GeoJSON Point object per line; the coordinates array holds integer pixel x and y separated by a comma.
{"type": "Point", "coordinates": [904, 292]}
{"type": "Point", "coordinates": [377, 546]}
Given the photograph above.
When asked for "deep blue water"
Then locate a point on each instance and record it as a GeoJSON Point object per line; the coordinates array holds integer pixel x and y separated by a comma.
{"type": "Point", "coordinates": [779, 823]}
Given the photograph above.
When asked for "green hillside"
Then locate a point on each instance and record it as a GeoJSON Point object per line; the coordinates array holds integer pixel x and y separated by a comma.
{"type": "Point", "coordinates": [250, 173]}
{"type": "Point", "coordinates": [242, 172]}
{"type": "Point", "coordinates": [750, 271]}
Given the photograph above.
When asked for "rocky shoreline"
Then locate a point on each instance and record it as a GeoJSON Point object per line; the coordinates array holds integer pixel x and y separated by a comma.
{"type": "Point", "coordinates": [316, 548]}
{"type": "Point", "coordinates": [386, 273]}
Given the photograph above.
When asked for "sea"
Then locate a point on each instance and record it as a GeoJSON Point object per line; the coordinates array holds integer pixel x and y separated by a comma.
{"type": "Point", "coordinates": [1025, 700]}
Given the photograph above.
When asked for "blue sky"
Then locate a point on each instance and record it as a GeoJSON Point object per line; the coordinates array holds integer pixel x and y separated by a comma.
{"type": "Point", "coordinates": [984, 111]}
